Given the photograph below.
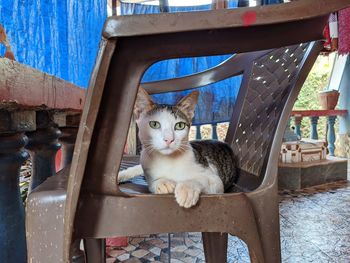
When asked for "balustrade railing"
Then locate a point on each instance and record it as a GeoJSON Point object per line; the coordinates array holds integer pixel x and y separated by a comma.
{"type": "Point", "coordinates": [314, 116]}
{"type": "Point", "coordinates": [38, 114]}
{"type": "Point", "coordinates": [212, 132]}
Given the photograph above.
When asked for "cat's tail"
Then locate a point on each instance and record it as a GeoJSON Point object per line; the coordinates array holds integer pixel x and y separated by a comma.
{"type": "Point", "coordinates": [130, 173]}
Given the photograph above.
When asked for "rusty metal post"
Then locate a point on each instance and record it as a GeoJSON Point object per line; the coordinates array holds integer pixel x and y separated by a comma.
{"type": "Point", "coordinates": [43, 145]}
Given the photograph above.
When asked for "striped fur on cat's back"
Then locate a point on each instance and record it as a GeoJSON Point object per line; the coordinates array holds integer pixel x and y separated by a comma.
{"type": "Point", "coordinates": [171, 163]}
{"type": "Point", "coordinates": [218, 154]}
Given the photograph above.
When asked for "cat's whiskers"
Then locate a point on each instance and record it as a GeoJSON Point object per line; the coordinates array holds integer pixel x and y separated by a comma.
{"type": "Point", "coordinates": [183, 148]}
{"type": "Point", "coordinates": [149, 149]}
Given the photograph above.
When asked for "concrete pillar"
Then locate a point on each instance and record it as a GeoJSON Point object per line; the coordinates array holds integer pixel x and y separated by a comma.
{"type": "Point", "coordinates": [341, 81]}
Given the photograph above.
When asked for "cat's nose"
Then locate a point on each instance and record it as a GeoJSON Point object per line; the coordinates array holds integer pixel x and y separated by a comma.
{"type": "Point", "coordinates": [168, 141]}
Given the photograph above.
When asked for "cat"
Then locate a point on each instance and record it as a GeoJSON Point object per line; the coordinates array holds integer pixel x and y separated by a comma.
{"type": "Point", "coordinates": [169, 161]}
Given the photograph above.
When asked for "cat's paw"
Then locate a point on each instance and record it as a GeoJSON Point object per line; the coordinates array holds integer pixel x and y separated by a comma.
{"type": "Point", "coordinates": [123, 176]}
{"type": "Point", "coordinates": [164, 187]}
{"type": "Point", "coordinates": [187, 195]}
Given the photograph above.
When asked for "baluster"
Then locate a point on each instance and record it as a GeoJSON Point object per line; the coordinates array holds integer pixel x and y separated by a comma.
{"type": "Point", "coordinates": [297, 123]}
{"type": "Point", "coordinates": [12, 230]}
{"type": "Point", "coordinates": [219, 4]}
{"type": "Point", "coordinates": [214, 133]}
{"type": "Point", "coordinates": [68, 124]}
{"type": "Point", "coordinates": [69, 135]}
{"type": "Point", "coordinates": [243, 3]}
{"type": "Point", "coordinates": [43, 145]}
{"type": "Point", "coordinates": [331, 134]}
{"type": "Point", "coordinates": [289, 135]}
{"type": "Point", "coordinates": [12, 156]}
{"type": "Point", "coordinates": [313, 132]}
{"type": "Point", "coordinates": [198, 132]}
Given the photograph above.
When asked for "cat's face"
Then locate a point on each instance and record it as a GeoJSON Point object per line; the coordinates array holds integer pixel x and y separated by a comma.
{"type": "Point", "coordinates": [163, 128]}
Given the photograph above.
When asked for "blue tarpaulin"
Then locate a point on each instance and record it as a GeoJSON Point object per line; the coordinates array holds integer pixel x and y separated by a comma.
{"type": "Point", "coordinates": [216, 100]}
{"type": "Point", "coordinates": [59, 37]}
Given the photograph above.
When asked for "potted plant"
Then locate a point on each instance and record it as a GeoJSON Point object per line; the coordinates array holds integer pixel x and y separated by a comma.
{"type": "Point", "coordinates": [328, 99]}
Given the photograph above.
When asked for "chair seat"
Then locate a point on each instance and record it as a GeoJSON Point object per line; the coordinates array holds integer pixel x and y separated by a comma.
{"type": "Point", "coordinates": [51, 195]}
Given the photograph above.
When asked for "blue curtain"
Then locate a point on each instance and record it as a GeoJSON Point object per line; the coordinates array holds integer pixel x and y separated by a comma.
{"type": "Point", "coordinates": [60, 37]}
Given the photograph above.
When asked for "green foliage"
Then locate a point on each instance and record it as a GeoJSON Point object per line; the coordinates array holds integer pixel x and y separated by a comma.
{"type": "Point", "coordinates": [24, 190]}
{"type": "Point", "coordinates": [316, 81]}
{"type": "Point", "coordinates": [308, 97]}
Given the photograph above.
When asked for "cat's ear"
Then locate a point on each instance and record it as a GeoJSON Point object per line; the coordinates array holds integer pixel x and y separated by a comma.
{"type": "Point", "coordinates": [143, 102]}
{"type": "Point", "coordinates": [188, 103]}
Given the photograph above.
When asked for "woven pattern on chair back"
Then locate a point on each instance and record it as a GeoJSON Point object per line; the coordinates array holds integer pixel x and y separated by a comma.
{"type": "Point", "coordinates": [270, 83]}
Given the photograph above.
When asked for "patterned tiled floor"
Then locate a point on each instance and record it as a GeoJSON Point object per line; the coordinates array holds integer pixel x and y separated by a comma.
{"type": "Point", "coordinates": [315, 227]}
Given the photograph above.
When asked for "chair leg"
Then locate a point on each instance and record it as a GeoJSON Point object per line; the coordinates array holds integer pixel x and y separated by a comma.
{"type": "Point", "coordinates": [270, 237]}
{"type": "Point", "coordinates": [215, 247]}
{"type": "Point", "coordinates": [269, 226]}
{"type": "Point", "coordinates": [78, 256]}
{"type": "Point", "coordinates": [95, 251]}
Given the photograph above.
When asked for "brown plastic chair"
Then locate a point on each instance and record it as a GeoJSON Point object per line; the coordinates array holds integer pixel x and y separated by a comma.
{"type": "Point", "coordinates": [83, 201]}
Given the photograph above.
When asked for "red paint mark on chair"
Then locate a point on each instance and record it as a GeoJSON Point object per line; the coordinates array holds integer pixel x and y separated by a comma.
{"type": "Point", "coordinates": [249, 18]}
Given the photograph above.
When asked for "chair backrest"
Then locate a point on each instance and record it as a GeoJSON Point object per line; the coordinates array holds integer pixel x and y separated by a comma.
{"type": "Point", "coordinates": [269, 77]}
{"type": "Point", "coordinates": [261, 102]}
{"type": "Point", "coordinates": [131, 44]}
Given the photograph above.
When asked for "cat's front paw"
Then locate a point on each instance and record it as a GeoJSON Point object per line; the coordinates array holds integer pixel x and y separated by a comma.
{"type": "Point", "coordinates": [164, 186]}
{"type": "Point", "coordinates": [187, 195]}
{"type": "Point", "coordinates": [122, 176]}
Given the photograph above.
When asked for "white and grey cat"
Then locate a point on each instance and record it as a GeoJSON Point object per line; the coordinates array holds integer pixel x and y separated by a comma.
{"type": "Point", "coordinates": [170, 162]}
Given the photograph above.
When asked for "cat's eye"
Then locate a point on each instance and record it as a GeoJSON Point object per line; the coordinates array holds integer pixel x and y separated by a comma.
{"type": "Point", "coordinates": [154, 124]}
{"type": "Point", "coordinates": [180, 126]}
